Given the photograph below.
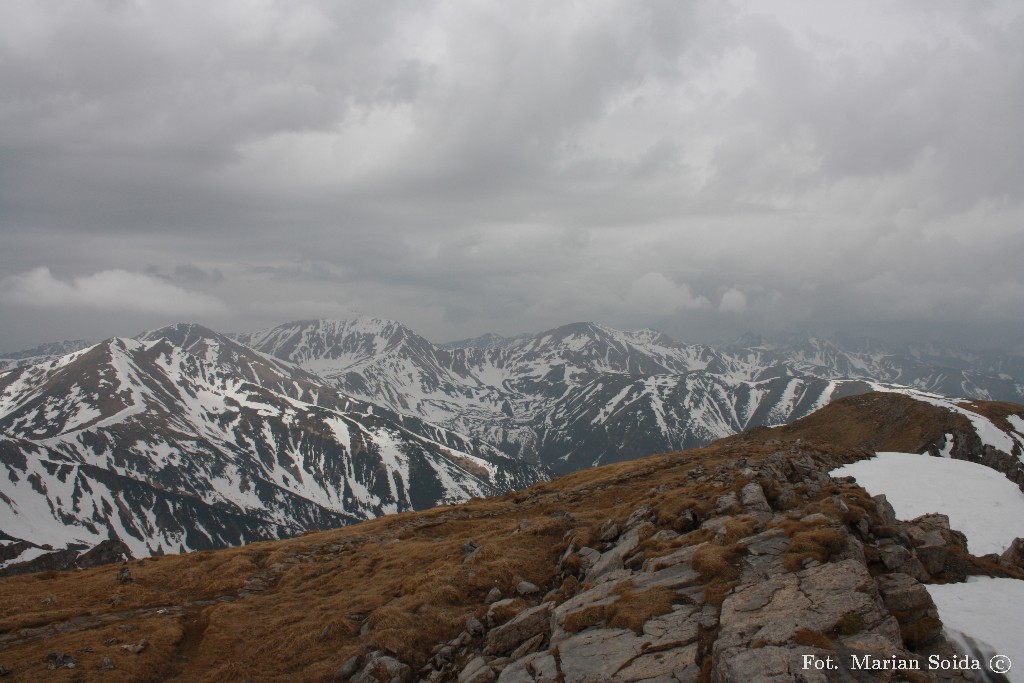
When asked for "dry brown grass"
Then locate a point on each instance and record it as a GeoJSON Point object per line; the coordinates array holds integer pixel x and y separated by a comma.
{"type": "Point", "coordinates": [402, 577]}
{"type": "Point", "coordinates": [878, 421]}
{"type": "Point", "coordinates": [633, 609]}
{"type": "Point", "coordinates": [715, 562]}
{"type": "Point", "coordinates": [591, 615]}
{"type": "Point", "coordinates": [810, 638]}
{"type": "Point", "coordinates": [737, 528]}
{"type": "Point", "coordinates": [818, 544]}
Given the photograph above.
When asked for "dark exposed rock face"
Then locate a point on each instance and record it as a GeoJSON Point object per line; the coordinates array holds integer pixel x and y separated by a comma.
{"type": "Point", "coordinates": [107, 552]}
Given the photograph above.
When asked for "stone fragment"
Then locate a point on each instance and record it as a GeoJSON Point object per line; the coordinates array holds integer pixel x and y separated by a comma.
{"type": "Point", "coordinates": [501, 611]}
{"type": "Point", "coordinates": [477, 671]}
{"type": "Point", "coordinates": [642, 514]}
{"type": "Point", "coordinates": [527, 588]}
{"type": "Point", "coordinates": [539, 667]}
{"type": "Point", "coordinates": [1014, 555]}
{"type": "Point", "coordinates": [609, 531]}
{"type": "Point", "coordinates": [525, 625]}
{"type": "Point", "coordinates": [753, 500]}
{"type": "Point", "coordinates": [382, 668]}
{"type": "Point", "coordinates": [493, 595]}
{"type": "Point", "coordinates": [346, 670]}
{"type": "Point", "coordinates": [136, 648]}
{"type": "Point", "coordinates": [474, 626]}
{"type": "Point", "coordinates": [60, 660]}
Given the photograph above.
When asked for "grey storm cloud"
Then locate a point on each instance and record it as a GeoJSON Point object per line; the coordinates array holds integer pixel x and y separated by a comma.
{"type": "Point", "coordinates": [702, 167]}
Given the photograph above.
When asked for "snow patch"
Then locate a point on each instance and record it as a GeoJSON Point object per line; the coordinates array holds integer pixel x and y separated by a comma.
{"type": "Point", "coordinates": [986, 506]}
{"type": "Point", "coordinates": [988, 610]}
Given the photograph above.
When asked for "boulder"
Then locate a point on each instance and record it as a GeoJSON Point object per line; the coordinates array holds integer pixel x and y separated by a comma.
{"type": "Point", "coordinates": [382, 668]}
{"type": "Point", "coordinates": [477, 671]}
{"type": "Point", "coordinates": [527, 624]}
{"type": "Point", "coordinates": [107, 552]}
{"type": "Point", "coordinates": [539, 667]}
{"type": "Point", "coordinates": [1014, 555]}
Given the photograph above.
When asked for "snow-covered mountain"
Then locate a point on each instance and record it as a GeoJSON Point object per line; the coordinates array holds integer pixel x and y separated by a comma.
{"type": "Point", "coordinates": [184, 439]}
{"type": "Point", "coordinates": [41, 354]}
{"type": "Point", "coordinates": [584, 394]}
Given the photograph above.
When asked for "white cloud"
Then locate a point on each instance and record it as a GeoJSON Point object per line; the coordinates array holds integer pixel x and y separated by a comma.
{"type": "Point", "coordinates": [733, 301]}
{"type": "Point", "coordinates": [109, 290]}
{"type": "Point", "coordinates": [658, 295]}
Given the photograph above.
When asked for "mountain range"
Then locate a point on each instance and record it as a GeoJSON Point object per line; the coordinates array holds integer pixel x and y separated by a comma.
{"type": "Point", "coordinates": [184, 439]}
{"type": "Point", "coordinates": [584, 394]}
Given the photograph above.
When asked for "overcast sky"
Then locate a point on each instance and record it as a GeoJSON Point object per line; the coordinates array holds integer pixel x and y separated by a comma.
{"type": "Point", "coordinates": [704, 168]}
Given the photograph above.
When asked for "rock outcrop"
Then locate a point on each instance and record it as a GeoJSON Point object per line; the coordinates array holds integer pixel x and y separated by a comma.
{"type": "Point", "coordinates": [787, 568]}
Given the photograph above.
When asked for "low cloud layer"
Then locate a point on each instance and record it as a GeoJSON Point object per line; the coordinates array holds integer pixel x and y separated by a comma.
{"type": "Point", "coordinates": [112, 291]}
{"type": "Point", "coordinates": [705, 168]}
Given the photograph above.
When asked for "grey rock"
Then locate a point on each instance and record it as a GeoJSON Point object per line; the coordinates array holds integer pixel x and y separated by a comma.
{"type": "Point", "coordinates": [531, 645]}
{"type": "Point", "coordinates": [60, 660]}
{"type": "Point", "coordinates": [753, 500]}
{"type": "Point", "coordinates": [771, 612]}
{"type": "Point", "coordinates": [346, 670]}
{"type": "Point", "coordinates": [688, 521]}
{"type": "Point", "coordinates": [539, 667]}
{"type": "Point", "coordinates": [725, 504]}
{"type": "Point", "coordinates": [588, 558]}
{"type": "Point", "coordinates": [597, 654]}
{"type": "Point", "coordinates": [885, 509]}
{"type": "Point", "coordinates": [642, 514]}
{"type": "Point", "coordinates": [613, 559]}
{"type": "Point", "coordinates": [527, 588]}
{"type": "Point", "coordinates": [474, 626]}
{"type": "Point", "coordinates": [609, 531]}
{"type": "Point", "coordinates": [660, 665]}
{"type": "Point", "coordinates": [493, 595]}
{"type": "Point", "coordinates": [136, 648]}
{"type": "Point", "coordinates": [477, 671]}
{"type": "Point", "coordinates": [525, 625]}
{"type": "Point", "coordinates": [665, 536]}
{"type": "Point", "coordinates": [1013, 556]}
{"type": "Point", "coordinates": [498, 611]}
{"type": "Point", "coordinates": [675, 629]}
{"type": "Point", "coordinates": [378, 664]}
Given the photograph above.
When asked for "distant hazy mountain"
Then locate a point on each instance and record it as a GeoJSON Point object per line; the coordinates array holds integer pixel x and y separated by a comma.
{"type": "Point", "coordinates": [583, 394]}
{"type": "Point", "coordinates": [41, 353]}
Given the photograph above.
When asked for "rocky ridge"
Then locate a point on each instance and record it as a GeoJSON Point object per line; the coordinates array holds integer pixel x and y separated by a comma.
{"type": "Point", "coordinates": [794, 564]}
